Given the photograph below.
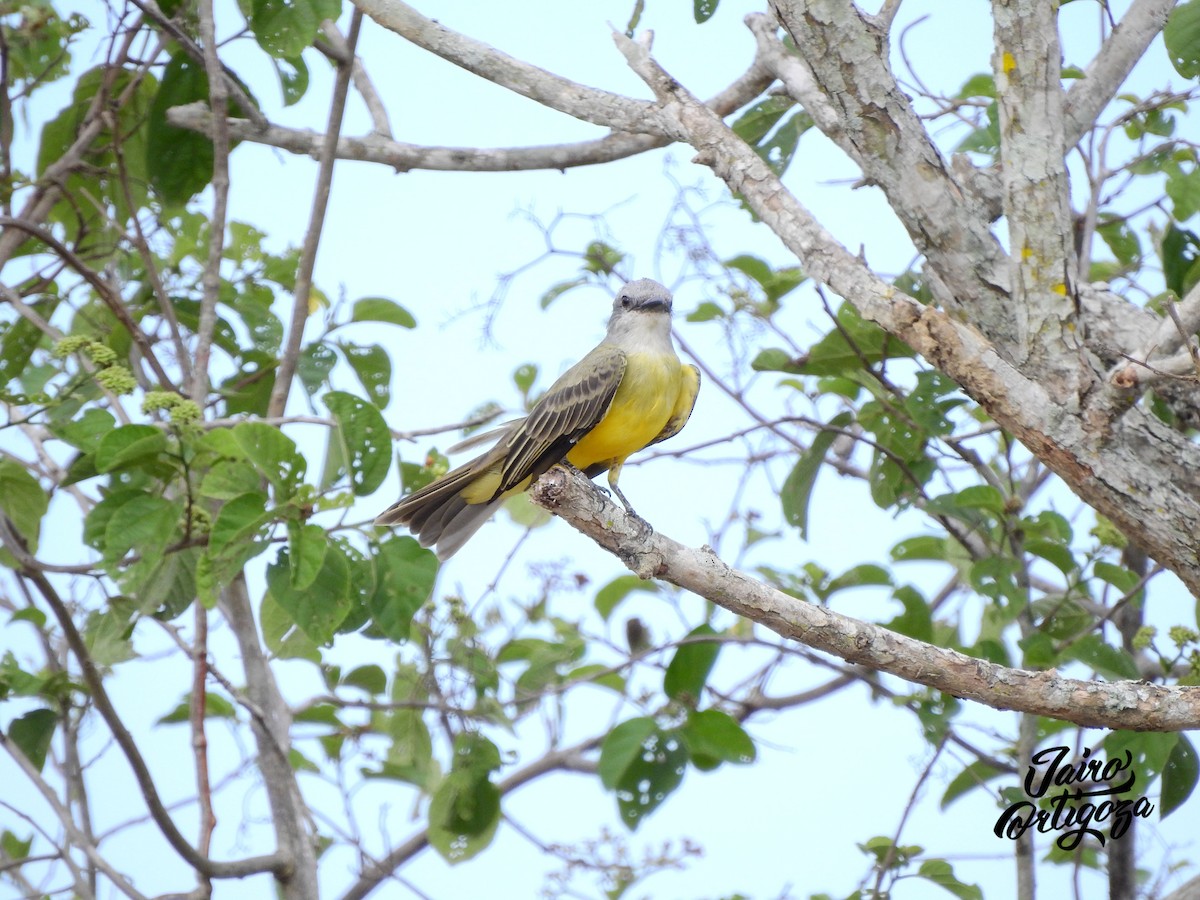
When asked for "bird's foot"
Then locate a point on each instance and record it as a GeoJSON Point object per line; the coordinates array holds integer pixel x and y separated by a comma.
{"type": "Point", "coordinates": [644, 527]}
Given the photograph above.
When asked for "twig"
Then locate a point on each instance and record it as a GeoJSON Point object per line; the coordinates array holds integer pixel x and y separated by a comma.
{"type": "Point", "coordinates": [120, 733]}
{"type": "Point", "coordinates": [110, 298]}
{"type": "Point", "coordinates": [208, 819]}
{"type": "Point", "coordinates": [316, 223]}
{"type": "Point", "coordinates": [211, 280]}
{"type": "Point", "coordinates": [362, 82]}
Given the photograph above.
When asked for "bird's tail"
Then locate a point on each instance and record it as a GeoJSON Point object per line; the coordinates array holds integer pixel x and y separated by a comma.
{"type": "Point", "coordinates": [438, 514]}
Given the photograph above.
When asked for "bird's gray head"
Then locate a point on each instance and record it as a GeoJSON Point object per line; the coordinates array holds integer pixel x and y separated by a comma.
{"type": "Point", "coordinates": [643, 295]}
{"type": "Point", "coordinates": [641, 313]}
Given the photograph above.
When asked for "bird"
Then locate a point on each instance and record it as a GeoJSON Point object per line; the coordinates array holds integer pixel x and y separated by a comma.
{"type": "Point", "coordinates": [627, 393]}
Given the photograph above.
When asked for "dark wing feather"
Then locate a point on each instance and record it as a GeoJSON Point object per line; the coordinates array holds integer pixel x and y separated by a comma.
{"type": "Point", "coordinates": [570, 409]}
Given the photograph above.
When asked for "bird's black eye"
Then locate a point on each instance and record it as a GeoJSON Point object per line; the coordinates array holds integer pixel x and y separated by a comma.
{"type": "Point", "coordinates": [626, 301]}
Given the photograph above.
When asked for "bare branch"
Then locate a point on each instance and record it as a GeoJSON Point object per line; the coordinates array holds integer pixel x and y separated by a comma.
{"type": "Point", "coordinates": [966, 264]}
{"type": "Point", "coordinates": [583, 102]}
{"type": "Point", "coordinates": [1133, 705]}
{"type": "Point", "coordinates": [271, 726]}
{"type": "Point", "coordinates": [110, 298]}
{"type": "Point", "coordinates": [211, 279]}
{"type": "Point", "coordinates": [1027, 66]}
{"type": "Point", "coordinates": [362, 82]}
{"type": "Point", "coordinates": [404, 157]}
{"type": "Point", "coordinates": [73, 834]}
{"type": "Point", "coordinates": [1106, 73]}
{"type": "Point", "coordinates": [120, 733]}
{"type": "Point", "coordinates": [316, 224]}
{"type": "Point", "coordinates": [1097, 451]}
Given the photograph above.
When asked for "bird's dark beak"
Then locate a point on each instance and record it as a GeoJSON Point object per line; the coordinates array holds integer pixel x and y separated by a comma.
{"type": "Point", "coordinates": [655, 305]}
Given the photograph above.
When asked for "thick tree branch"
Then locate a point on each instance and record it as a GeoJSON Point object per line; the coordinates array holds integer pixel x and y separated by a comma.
{"type": "Point", "coordinates": [847, 55]}
{"type": "Point", "coordinates": [1131, 705]}
{"type": "Point", "coordinates": [580, 101]}
{"type": "Point", "coordinates": [272, 727]}
{"type": "Point", "coordinates": [402, 157]}
{"type": "Point", "coordinates": [1130, 467]}
{"type": "Point", "coordinates": [1107, 71]}
{"type": "Point", "coordinates": [1026, 67]}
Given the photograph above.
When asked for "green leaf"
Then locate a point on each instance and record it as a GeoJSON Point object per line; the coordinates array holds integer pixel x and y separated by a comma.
{"type": "Point", "coordinates": [974, 775]}
{"type": "Point", "coordinates": [320, 608]}
{"type": "Point", "coordinates": [85, 432]}
{"type": "Point", "coordinates": [230, 478]}
{"type": "Point", "coordinates": [1181, 35]}
{"type": "Point", "coordinates": [703, 10]}
{"type": "Point", "coordinates": [924, 546]}
{"type": "Point", "coordinates": [21, 338]}
{"type": "Point", "coordinates": [404, 576]}
{"type": "Point", "coordinates": [752, 126]}
{"type": "Point", "coordinates": [854, 343]}
{"type": "Point", "coordinates": [941, 873]}
{"type": "Point", "coordinates": [381, 309]}
{"type": "Point", "coordinates": [1179, 776]}
{"type": "Point", "coordinates": [714, 737]}
{"type": "Point", "coordinates": [22, 500]}
{"type": "Point", "coordinates": [611, 595]}
{"type": "Point", "coordinates": [129, 444]}
{"type": "Point", "coordinates": [1183, 187]}
{"type": "Point", "coordinates": [1054, 552]}
{"type": "Point", "coordinates": [108, 184]}
{"type": "Point", "coordinates": [775, 360]}
{"type": "Point", "coordinates": [179, 162]}
{"type": "Point", "coordinates": [32, 734]}
{"type": "Point", "coordinates": [286, 27]}
{"type": "Point", "coordinates": [248, 390]}
{"type": "Point", "coordinates": [982, 85]}
{"type": "Point", "coordinates": [1180, 257]}
{"type": "Point", "coordinates": [1121, 240]}
{"type": "Point", "coordinates": [373, 367]}
{"type": "Point", "coordinates": [308, 545]}
{"type": "Point", "coordinates": [621, 747]}
{"type": "Point", "coordinates": [862, 575]}
{"type": "Point", "coordinates": [1109, 661]}
{"type": "Point", "coordinates": [643, 765]}
{"type": "Point", "coordinates": [215, 707]}
{"type": "Point", "coordinates": [360, 442]}
{"type": "Point", "coordinates": [917, 619]}
{"type": "Point", "coordinates": [238, 520]}
{"type": "Point", "coordinates": [1123, 579]}
{"type": "Point", "coordinates": [369, 678]}
{"type": "Point", "coordinates": [274, 454]}
{"type": "Point", "coordinates": [777, 151]}
{"type": "Point", "coordinates": [293, 78]}
{"type": "Point", "coordinates": [316, 362]}
{"type": "Point", "coordinates": [282, 636]}
{"type": "Point", "coordinates": [797, 488]}
{"type": "Point", "coordinates": [689, 668]}
{"type": "Point", "coordinates": [145, 524]}
{"type": "Point", "coordinates": [14, 848]}
{"type": "Point", "coordinates": [463, 816]}
{"type": "Point", "coordinates": [599, 675]}
{"type": "Point", "coordinates": [706, 312]}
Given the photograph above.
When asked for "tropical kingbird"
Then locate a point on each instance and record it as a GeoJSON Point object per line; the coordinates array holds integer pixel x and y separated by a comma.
{"type": "Point", "coordinates": [629, 392]}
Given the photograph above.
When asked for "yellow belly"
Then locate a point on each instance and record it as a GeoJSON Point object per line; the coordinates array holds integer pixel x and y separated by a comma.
{"type": "Point", "coordinates": [643, 404]}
